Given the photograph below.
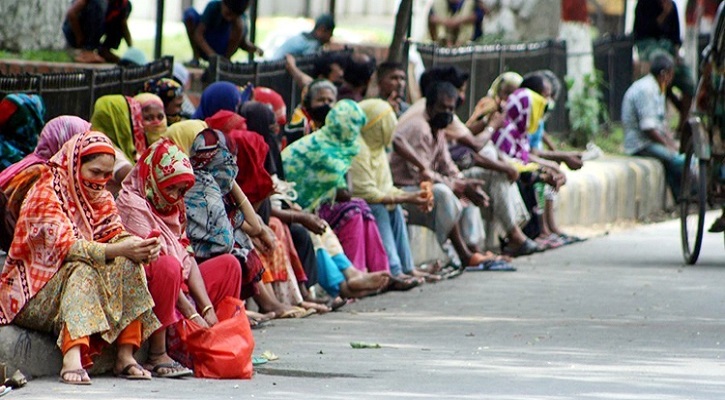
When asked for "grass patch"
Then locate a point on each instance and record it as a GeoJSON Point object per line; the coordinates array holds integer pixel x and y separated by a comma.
{"type": "Point", "coordinates": [610, 141]}
{"type": "Point", "coordinates": [38, 55]}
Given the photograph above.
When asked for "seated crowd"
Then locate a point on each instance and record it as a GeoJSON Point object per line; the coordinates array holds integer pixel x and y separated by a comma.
{"type": "Point", "coordinates": [152, 212]}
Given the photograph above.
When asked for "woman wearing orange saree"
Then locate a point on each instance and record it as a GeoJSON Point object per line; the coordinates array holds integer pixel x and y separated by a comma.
{"type": "Point", "coordinates": [72, 269]}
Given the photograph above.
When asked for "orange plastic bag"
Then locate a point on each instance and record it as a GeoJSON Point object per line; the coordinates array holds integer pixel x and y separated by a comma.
{"type": "Point", "coordinates": [225, 350]}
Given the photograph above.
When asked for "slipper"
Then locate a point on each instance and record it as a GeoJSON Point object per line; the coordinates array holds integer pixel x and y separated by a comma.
{"type": "Point", "coordinates": [257, 324]}
{"type": "Point", "coordinates": [337, 303]}
{"type": "Point", "coordinates": [492, 265]}
{"type": "Point", "coordinates": [403, 284]}
{"type": "Point", "coordinates": [82, 372]}
{"type": "Point", "coordinates": [569, 239]}
{"type": "Point", "coordinates": [8, 389]}
{"type": "Point", "coordinates": [180, 370]}
{"type": "Point", "coordinates": [258, 360]}
{"type": "Point", "coordinates": [526, 248]}
{"type": "Point", "coordinates": [125, 373]}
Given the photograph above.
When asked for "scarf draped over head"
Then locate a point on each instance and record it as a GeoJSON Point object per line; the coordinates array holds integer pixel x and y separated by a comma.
{"type": "Point", "coordinates": [155, 130]}
{"type": "Point", "coordinates": [318, 162]}
{"type": "Point", "coordinates": [183, 133]}
{"type": "Point", "coordinates": [216, 97]}
{"type": "Point", "coordinates": [120, 118]}
{"type": "Point", "coordinates": [274, 100]}
{"type": "Point", "coordinates": [524, 112]}
{"type": "Point", "coordinates": [145, 204]}
{"type": "Point", "coordinates": [55, 133]}
{"type": "Point", "coordinates": [261, 119]}
{"type": "Point", "coordinates": [21, 119]}
{"type": "Point", "coordinates": [370, 172]}
{"type": "Point", "coordinates": [165, 88]}
{"type": "Point", "coordinates": [61, 209]}
{"type": "Point", "coordinates": [251, 151]}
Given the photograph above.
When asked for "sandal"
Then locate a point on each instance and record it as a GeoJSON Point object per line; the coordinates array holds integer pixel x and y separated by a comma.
{"type": "Point", "coordinates": [126, 373]}
{"type": "Point", "coordinates": [528, 247]}
{"type": "Point", "coordinates": [337, 303]}
{"type": "Point", "coordinates": [80, 372]}
{"type": "Point", "coordinates": [403, 284]}
{"type": "Point", "coordinates": [178, 370]}
{"type": "Point", "coordinates": [493, 265]}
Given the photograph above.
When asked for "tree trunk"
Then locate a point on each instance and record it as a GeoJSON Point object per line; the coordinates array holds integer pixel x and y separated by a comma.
{"type": "Point", "coordinates": [400, 33]}
{"type": "Point", "coordinates": [32, 24]}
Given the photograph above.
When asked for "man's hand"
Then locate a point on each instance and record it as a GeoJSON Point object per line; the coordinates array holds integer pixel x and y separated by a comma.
{"type": "Point", "coordinates": [471, 189]}
{"type": "Point", "coordinates": [394, 101]}
{"type": "Point", "coordinates": [512, 174]}
{"type": "Point", "coordinates": [574, 162]}
{"type": "Point", "coordinates": [265, 242]}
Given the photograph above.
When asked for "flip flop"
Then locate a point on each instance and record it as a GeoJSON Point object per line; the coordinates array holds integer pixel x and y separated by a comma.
{"type": "Point", "coordinates": [8, 389]}
{"type": "Point", "coordinates": [337, 303]}
{"type": "Point", "coordinates": [126, 375]}
{"type": "Point", "coordinates": [258, 360]}
{"type": "Point", "coordinates": [82, 372]}
{"type": "Point", "coordinates": [492, 265]}
{"type": "Point", "coordinates": [180, 370]}
{"type": "Point", "coordinates": [403, 284]}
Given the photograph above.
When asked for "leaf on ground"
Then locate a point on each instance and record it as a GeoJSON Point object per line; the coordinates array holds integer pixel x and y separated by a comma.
{"type": "Point", "coordinates": [363, 345]}
{"type": "Point", "coordinates": [270, 356]}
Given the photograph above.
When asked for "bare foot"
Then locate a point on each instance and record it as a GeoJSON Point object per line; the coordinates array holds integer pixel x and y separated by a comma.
{"type": "Point", "coordinates": [369, 281]}
{"type": "Point", "coordinates": [259, 317]}
{"type": "Point", "coordinates": [320, 308]}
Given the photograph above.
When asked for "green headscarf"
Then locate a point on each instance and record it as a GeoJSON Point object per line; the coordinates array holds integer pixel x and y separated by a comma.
{"type": "Point", "coordinates": [318, 162]}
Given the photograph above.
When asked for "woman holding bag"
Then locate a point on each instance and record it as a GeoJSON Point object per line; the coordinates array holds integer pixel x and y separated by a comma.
{"type": "Point", "coordinates": [152, 198]}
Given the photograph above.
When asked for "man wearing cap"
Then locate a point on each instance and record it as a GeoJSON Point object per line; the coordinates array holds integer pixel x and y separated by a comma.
{"type": "Point", "coordinates": [219, 30]}
{"type": "Point", "coordinates": [308, 42]}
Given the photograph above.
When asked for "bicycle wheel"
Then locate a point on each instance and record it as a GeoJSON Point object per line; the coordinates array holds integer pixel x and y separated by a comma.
{"type": "Point", "coordinates": [693, 203]}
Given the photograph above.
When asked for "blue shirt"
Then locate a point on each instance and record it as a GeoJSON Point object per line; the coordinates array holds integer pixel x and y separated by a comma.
{"type": "Point", "coordinates": [300, 45]}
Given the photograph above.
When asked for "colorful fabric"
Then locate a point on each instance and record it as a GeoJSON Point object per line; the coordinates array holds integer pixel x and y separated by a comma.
{"type": "Point", "coordinates": [183, 133]}
{"type": "Point", "coordinates": [524, 111]}
{"type": "Point", "coordinates": [144, 203]}
{"type": "Point", "coordinates": [165, 88]}
{"type": "Point", "coordinates": [370, 170]}
{"type": "Point", "coordinates": [490, 103]}
{"type": "Point", "coordinates": [274, 100]}
{"type": "Point", "coordinates": [60, 210]}
{"type": "Point", "coordinates": [120, 118]}
{"type": "Point", "coordinates": [251, 151]}
{"type": "Point", "coordinates": [21, 120]}
{"type": "Point", "coordinates": [153, 127]}
{"type": "Point", "coordinates": [283, 268]}
{"type": "Point", "coordinates": [55, 133]}
{"type": "Point", "coordinates": [299, 126]}
{"type": "Point", "coordinates": [92, 297]}
{"type": "Point", "coordinates": [218, 96]}
{"type": "Point", "coordinates": [318, 162]}
{"type": "Point", "coordinates": [261, 120]}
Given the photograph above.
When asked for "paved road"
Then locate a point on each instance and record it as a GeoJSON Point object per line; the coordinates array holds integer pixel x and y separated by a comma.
{"type": "Point", "coordinates": [616, 317]}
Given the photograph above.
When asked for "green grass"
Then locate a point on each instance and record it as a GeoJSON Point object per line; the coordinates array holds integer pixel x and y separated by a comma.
{"type": "Point", "coordinates": [38, 55]}
{"type": "Point", "coordinates": [611, 141]}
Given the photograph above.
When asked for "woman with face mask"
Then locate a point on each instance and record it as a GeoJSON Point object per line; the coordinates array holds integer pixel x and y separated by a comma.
{"type": "Point", "coordinates": [154, 118]}
{"type": "Point", "coordinates": [73, 269]}
{"type": "Point", "coordinates": [318, 99]}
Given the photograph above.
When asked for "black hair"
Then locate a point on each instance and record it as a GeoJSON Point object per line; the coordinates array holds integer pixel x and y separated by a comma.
{"type": "Point", "coordinates": [321, 65]}
{"type": "Point", "coordinates": [389, 66]}
{"type": "Point", "coordinates": [661, 61]}
{"type": "Point", "coordinates": [438, 90]}
{"type": "Point", "coordinates": [359, 69]}
{"type": "Point", "coordinates": [237, 6]}
{"type": "Point", "coordinates": [91, 157]}
{"type": "Point", "coordinates": [550, 76]}
{"type": "Point", "coordinates": [448, 73]}
{"type": "Point", "coordinates": [325, 21]}
{"type": "Point", "coordinates": [535, 82]}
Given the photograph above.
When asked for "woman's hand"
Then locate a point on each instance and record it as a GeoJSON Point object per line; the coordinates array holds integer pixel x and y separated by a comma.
{"type": "Point", "coordinates": [200, 321]}
{"type": "Point", "coordinates": [210, 317]}
{"type": "Point", "coordinates": [313, 223]}
{"type": "Point", "coordinates": [135, 249]}
{"type": "Point", "coordinates": [266, 241]}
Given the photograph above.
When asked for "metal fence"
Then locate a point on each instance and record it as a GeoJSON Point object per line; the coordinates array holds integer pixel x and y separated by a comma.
{"type": "Point", "coordinates": [486, 62]}
{"type": "Point", "coordinates": [613, 57]}
{"type": "Point", "coordinates": [75, 93]}
{"type": "Point", "coordinates": [271, 74]}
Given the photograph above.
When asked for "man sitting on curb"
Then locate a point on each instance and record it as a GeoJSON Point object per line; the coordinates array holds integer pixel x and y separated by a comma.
{"type": "Point", "coordinates": [643, 117]}
{"type": "Point", "coordinates": [87, 21]}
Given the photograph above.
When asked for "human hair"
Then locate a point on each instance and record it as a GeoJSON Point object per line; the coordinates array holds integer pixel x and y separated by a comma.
{"type": "Point", "coordinates": [325, 21]}
{"type": "Point", "coordinates": [550, 76]}
{"type": "Point", "coordinates": [535, 82]}
{"type": "Point", "coordinates": [388, 67]}
{"type": "Point", "coordinates": [90, 157]}
{"type": "Point", "coordinates": [315, 87]}
{"type": "Point", "coordinates": [322, 65]}
{"type": "Point", "coordinates": [237, 6]}
{"type": "Point", "coordinates": [438, 90]}
{"type": "Point", "coordinates": [359, 69]}
{"type": "Point", "coordinates": [448, 73]}
{"type": "Point", "coordinates": [661, 61]}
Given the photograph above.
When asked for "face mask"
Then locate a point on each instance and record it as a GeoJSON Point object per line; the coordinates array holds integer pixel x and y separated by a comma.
{"type": "Point", "coordinates": [173, 118]}
{"type": "Point", "coordinates": [320, 112]}
{"type": "Point", "coordinates": [154, 131]}
{"type": "Point", "coordinates": [94, 188]}
{"type": "Point", "coordinates": [441, 120]}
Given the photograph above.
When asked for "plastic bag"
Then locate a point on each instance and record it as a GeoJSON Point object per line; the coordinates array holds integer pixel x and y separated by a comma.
{"type": "Point", "coordinates": [225, 350]}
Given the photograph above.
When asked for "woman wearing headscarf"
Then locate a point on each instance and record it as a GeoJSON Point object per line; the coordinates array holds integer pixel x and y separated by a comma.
{"type": "Point", "coordinates": [16, 181]}
{"type": "Point", "coordinates": [318, 164]}
{"type": "Point", "coordinates": [153, 116]}
{"type": "Point", "coordinates": [496, 97]}
{"type": "Point", "coordinates": [283, 269]}
{"type": "Point", "coordinates": [152, 198]}
{"type": "Point", "coordinates": [372, 181]}
{"type": "Point", "coordinates": [73, 270]}
{"type": "Point", "coordinates": [318, 99]}
{"type": "Point", "coordinates": [216, 226]}
{"type": "Point", "coordinates": [171, 94]}
{"type": "Point", "coordinates": [21, 118]}
{"type": "Point", "coordinates": [216, 97]}
{"type": "Point", "coordinates": [120, 118]}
